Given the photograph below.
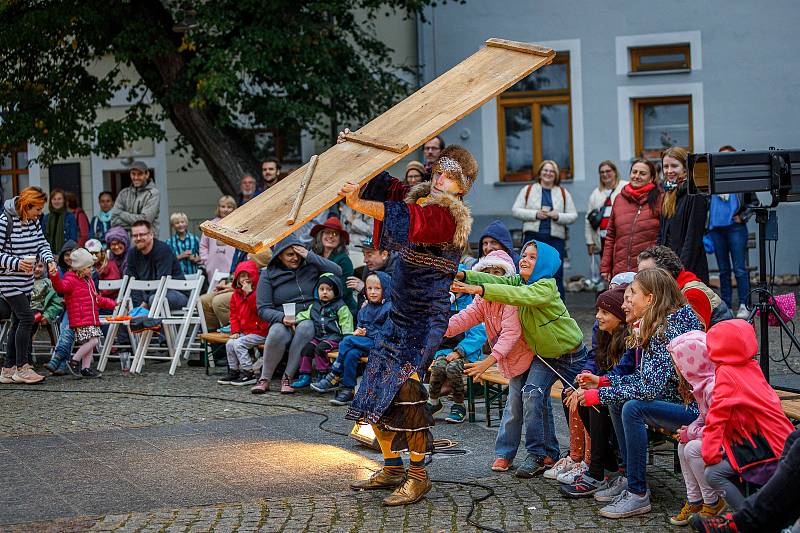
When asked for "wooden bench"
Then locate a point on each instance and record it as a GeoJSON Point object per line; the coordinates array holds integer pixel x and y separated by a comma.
{"type": "Point", "coordinates": [215, 338]}
{"type": "Point", "coordinates": [333, 355]}
{"type": "Point", "coordinates": [790, 402]}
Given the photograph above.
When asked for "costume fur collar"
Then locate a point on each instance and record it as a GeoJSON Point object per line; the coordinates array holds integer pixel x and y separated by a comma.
{"type": "Point", "coordinates": [460, 212]}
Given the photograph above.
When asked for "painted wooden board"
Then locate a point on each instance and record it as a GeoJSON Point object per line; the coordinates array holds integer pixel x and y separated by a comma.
{"type": "Point", "coordinates": [263, 220]}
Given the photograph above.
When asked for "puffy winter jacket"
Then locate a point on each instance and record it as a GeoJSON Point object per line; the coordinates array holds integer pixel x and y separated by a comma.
{"type": "Point", "coordinates": [332, 319]}
{"type": "Point", "coordinates": [745, 419]}
{"type": "Point", "coordinates": [371, 316]}
{"type": "Point", "coordinates": [82, 300]}
{"type": "Point", "coordinates": [137, 203]}
{"type": "Point", "coordinates": [632, 229]}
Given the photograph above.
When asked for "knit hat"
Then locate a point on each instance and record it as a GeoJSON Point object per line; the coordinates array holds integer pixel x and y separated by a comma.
{"type": "Point", "coordinates": [496, 258]}
{"type": "Point", "coordinates": [459, 165]}
{"type": "Point", "coordinates": [623, 277]}
{"type": "Point", "coordinates": [81, 258]}
{"type": "Point", "coordinates": [611, 301]}
{"type": "Point", "coordinates": [415, 165]}
{"type": "Point", "coordinates": [93, 246]}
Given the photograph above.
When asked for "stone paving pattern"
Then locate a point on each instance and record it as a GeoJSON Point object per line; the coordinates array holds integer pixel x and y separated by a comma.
{"type": "Point", "coordinates": [247, 468]}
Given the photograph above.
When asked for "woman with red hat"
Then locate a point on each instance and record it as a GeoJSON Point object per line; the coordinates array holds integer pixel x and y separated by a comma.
{"type": "Point", "coordinates": [330, 242]}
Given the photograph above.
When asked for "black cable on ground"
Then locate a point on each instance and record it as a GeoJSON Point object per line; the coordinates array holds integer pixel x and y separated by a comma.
{"type": "Point", "coordinates": [443, 446]}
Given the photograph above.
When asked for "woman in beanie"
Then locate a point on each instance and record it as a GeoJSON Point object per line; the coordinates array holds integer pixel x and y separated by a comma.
{"type": "Point", "coordinates": [415, 173]}
{"type": "Point", "coordinates": [428, 226]}
{"type": "Point", "coordinates": [330, 241]}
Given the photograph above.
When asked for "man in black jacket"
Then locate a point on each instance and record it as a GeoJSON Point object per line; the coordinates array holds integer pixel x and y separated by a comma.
{"type": "Point", "coordinates": [151, 259]}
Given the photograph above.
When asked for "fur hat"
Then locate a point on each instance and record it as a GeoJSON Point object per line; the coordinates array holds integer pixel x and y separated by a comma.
{"type": "Point", "coordinates": [459, 164]}
{"type": "Point", "coordinates": [496, 258]}
{"type": "Point", "coordinates": [611, 301]}
{"type": "Point", "coordinates": [81, 258]}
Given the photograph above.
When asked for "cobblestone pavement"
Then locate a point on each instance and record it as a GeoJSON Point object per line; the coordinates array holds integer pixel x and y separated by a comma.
{"type": "Point", "coordinates": [293, 498]}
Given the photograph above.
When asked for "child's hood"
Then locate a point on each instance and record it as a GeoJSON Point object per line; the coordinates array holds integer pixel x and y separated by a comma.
{"type": "Point", "coordinates": [330, 279]}
{"type": "Point", "coordinates": [67, 248]}
{"type": "Point", "coordinates": [690, 354]}
{"type": "Point", "coordinates": [732, 342]}
{"type": "Point", "coordinates": [497, 258]}
{"type": "Point", "coordinates": [10, 208]}
{"type": "Point", "coordinates": [386, 284]}
{"type": "Point", "coordinates": [547, 262]}
{"type": "Point", "coordinates": [499, 232]}
{"type": "Point", "coordinates": [251, 268]}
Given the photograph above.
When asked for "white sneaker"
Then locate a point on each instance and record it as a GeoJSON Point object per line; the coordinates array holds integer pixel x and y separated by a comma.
{"type": "Point", "coordinates": [562, 465]}
{"type": "Point", "coordinates": [572, 474]}
{"type": "Point", "coordinates": [6, 376]}
{"type": "Point", "coordinates": [743, 312]}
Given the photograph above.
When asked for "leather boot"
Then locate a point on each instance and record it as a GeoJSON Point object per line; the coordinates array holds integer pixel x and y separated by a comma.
{"type": "Point", "coordinates": [379, 480]}
{"type": "Point", "coordinates": [412, 490]}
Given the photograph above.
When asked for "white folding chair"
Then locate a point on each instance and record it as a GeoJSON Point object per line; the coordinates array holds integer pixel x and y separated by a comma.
{"type": "Point", "coordinates": [192, 276]}
{"type": "Point", "coordinates": [123, 308]}
{"type": "Point", "coordinates": [218, 276]}
{"type": "Point", "coordinates": [175, 324]}
{"type": "Point", "coordinates": [118, 285]}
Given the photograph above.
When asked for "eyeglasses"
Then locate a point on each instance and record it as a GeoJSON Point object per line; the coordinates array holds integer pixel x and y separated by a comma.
{"type": "Point", "coordinates": [431, 149]}
{"type": "Point", "coordinates": [139, 235]}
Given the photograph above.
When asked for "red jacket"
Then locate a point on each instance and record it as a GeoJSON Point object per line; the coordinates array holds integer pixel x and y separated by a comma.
{"type": "Point", "coordinates": [745, 419]}
{"type": "Point", "coordinates": [244, 314]}
{"type": "Point", "coordinates": [632, 228]}
{"type": "Point", "coordinates": [110, 272]}
{"type": "Point", "coordinates": [81, 299]}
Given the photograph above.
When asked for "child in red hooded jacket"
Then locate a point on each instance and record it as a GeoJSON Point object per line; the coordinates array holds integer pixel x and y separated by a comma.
{"type": "Point", "coordinates": [745, 428]}
{"type": "Point", "coordinates": [83, 304]}
{"type": "Point", "coordinates": [248, 330]}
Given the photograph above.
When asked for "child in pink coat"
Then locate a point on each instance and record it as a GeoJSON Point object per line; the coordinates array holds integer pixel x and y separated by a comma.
{"type": "Point", "coordinates": [690, 355]}
{"type": "Point", "coordinates": [509, 351]}
{"type": "Point", "coordinates": [83, 304]}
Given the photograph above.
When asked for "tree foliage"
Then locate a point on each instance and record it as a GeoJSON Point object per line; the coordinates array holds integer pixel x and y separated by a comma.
{"type": "Point", "coordinates": [247, 63]}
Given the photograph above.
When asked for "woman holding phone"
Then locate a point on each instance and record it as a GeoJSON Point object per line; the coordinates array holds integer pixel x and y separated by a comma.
{"type": "Point", "coordinates": [22, 244]}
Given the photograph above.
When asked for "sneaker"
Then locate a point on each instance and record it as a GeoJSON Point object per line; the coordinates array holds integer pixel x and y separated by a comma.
{"type": "Point", "coordinates": [233, 375]}
{"type": "Point", "coordinates": [74, 367]}
{"type": "Point", "coordinates": [286, 387]}
{"type": "Point", "coordinates": [329, 383]}
{"type": "Point", "coordinates": [564, 464]}
{"type": "Point", "coordinates": [261, 386]}
{"type": "Point", "coordinates": [343, 397]}
{"type": "Point", "coordinates": [743, 312]}
{"type": "Point", "coordinates": [246, 377]}
{"type": "Point", "coordinates": [532, 466]}
{"type": "Point", "coordinates": [583, 486]}
{"type": "Point", "coordinates": [714, 524]}
{"type": "Point", "coordinates": [90, 373]}
{"type": "Point", "coordinates": [458, 413]}
{"type": "Point", "coordinates": [713, 510]}
{"type": "Point", "coordinates": [627, 504]}
{"type": "Point", "coordinates": [686, 512]}
{"type": "Point", "coordinates": [614, 489]}
{"type": "Point", "coordinates": [573, 473]}
{"type": "Point", "coordinates": [25, 374]}
{"type": "Point", "coordinates": [303, 381]}
{"type": "Point", "coordinates": [501, 464]}
{"type": "Point", "coordinates": [7, 375]}
{"type": "Point", "coordinates": [434, 408]}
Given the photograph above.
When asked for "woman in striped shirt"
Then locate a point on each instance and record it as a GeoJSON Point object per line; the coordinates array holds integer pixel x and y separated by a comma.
{"type": "Point", "coordinates": [22, 245]}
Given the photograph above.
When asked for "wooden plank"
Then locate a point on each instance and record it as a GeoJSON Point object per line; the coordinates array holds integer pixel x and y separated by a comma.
{"type": "Point", "coordinates": [301, 194]}
{"type": "Point", "coordinates": [360, 138]}
{"type": "Point", "coordinates": [423, 115]}
{"type": "Point", "coordinates": [528, 48]}
{"type": "Point", "coordinates": [790, 402]}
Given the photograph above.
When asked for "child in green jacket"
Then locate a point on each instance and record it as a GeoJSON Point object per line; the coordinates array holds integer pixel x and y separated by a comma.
{"type": "Point", "coordinates": [551, 334]}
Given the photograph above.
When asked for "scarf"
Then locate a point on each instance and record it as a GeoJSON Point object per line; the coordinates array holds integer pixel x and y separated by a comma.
{"type": "Point", "coordinates": [641, 191]}
{"type": "Point", "coordinates": [105, 217]}
{"type": "Point", "coordinates": [54, 231]}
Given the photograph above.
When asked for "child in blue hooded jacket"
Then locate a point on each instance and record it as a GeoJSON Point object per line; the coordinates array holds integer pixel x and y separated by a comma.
{"type": "Point", "coordinates": [371, 317]}
{"type": "Point", "coordinates": [449, 361]}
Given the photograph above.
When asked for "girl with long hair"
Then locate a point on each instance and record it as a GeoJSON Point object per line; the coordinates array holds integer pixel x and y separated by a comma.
{"type": "Point", "coordinates": [683, 215]}
{"type": "Point", "coordinates": [649, 396]}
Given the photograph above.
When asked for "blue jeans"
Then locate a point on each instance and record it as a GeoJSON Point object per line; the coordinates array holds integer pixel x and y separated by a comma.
{"type": "Point", "coordinates": [730, 244]}
{"type": "Point", "coordinates": [636, 416]}
{"type": "Point", "coordinates": [529, 405]}
{"type": "Point", "coordinates": [66, 339]}
{"type": "Point", "coordinates": [351, 349]}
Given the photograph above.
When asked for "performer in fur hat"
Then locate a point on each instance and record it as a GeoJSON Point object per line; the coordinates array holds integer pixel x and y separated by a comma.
{"type": "Point", "coordinates": [428, 226]}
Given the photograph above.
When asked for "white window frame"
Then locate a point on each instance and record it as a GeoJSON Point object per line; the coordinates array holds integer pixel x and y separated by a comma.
{"type": "Point", "coordinates": [625, 42]}
{"type": "Point", "coordinates": [491, 151]}
{"type": "Point", "coordinates": [625, 96]}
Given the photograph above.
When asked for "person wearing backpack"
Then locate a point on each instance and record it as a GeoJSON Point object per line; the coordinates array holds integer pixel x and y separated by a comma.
{"type": "Point", "coordinates": [546, 208]}
{"type": "Point", "coordinates": [23, 244]}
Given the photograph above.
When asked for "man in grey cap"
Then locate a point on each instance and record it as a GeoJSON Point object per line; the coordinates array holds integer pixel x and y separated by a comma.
{"type": "Point", "coordinates": [140, 201]}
